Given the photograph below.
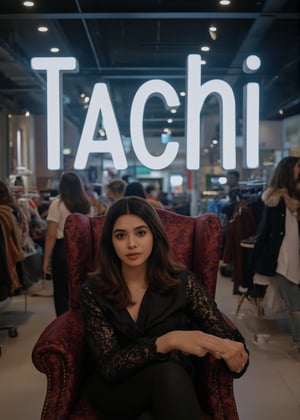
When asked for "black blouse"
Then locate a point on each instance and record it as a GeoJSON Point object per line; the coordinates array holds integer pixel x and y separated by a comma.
{"type": "Point", "coordinates": [119, 345]}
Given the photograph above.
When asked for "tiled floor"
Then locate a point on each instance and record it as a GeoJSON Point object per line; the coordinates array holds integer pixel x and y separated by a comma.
{"type": "Point", "coordinates": [271, 387]}
{"type": "Point", "coordinates": [22, 387]}
{"type": "Point", "coordinates": [269, 390]}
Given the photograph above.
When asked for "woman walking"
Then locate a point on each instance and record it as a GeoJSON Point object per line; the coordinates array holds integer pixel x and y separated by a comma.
{"type": "Point", "coordinates": [72, 199]}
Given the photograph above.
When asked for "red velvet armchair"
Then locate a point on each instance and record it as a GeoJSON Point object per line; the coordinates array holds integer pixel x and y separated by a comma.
{"type": "Point", "coordinates": [61, 352]}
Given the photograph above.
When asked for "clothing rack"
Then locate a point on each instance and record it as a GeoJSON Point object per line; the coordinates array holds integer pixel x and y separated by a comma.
{"type": "Point", "coordinates": [251, 189]}
{"type": "Point", "coordinates": [6, 283]}
{"type": "Point", "coordinates": [254, 293]}
{"type": "Point", "coordinates": [242, 225]}
{"type": "Point", "coordinates": [5, 286]}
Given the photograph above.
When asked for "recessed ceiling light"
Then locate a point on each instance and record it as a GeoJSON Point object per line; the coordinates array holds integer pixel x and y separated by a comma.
{"type": "Point", "coordinates": [54, 50]}
{"type": "Point", "coordinates": [173, 111]}
{"type": "Point", "coordinates": [224, 2]}
{"type": "Point", "coordinates": [203, 62]}
{"type": "Point", "coordinates": [28, 3]}
{"type": "Point", "coordinates": [212, 30]}
{"type": "Point", "coordinates": [205, 48]}
{"type": "Point", "coordinates": [42, 29]}
{"type": "Point", "coordinates": [182, 93]}
{"type": "Point", "coordinates": [169, 120]}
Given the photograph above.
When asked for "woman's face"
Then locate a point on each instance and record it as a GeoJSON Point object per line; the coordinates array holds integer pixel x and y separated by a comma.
{"type": "Point", "coordinates": [132, 240]}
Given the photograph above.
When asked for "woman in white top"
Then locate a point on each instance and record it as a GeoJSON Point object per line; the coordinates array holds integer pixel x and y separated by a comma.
{"type": "Point", "coordinates": [72, 199]}
{"type": "Point", "coordinates": [277, 249]}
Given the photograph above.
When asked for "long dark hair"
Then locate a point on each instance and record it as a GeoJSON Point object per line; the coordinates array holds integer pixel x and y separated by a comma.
{"type": "Point", "coordinates": [283, 176]}
{"type": "Point", "coordinates": [162, 272]}
{"type": "Point", "coordinates": [72, 193]}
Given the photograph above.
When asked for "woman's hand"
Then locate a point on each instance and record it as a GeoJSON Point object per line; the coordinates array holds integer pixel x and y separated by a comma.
{"type": "Point", "coordinates": [189, 342]}
{"type": "Point", "coordinates": [49, 245]}
{"type": "Point", "coordinates": [234, 355]}
{"type": "Point", "coordinates": [200, 343]}
{"type": "Point", "coordinates": [46, 267]}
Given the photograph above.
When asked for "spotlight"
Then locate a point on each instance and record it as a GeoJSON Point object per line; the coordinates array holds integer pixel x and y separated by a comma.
{"type": "Point", "coordinates": [212, 30]}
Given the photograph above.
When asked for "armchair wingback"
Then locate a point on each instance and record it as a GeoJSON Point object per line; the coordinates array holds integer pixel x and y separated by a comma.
{"type": "Point", "coordinates": [61, 352]}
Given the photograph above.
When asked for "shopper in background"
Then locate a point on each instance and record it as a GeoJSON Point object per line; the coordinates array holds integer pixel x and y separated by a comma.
{"type": "Point", "coordinates": [42, 205]}
{"type": "Point", "coordinates": [233, 184]}
{"type": "Point", "coordinates": [98, 206]}
{"type": "Point", "coordinates": [152, 196]}
{"type": "Point", "coordinates": [147, 320]}
{"type": "Point", "coordinates": [115, 190]}
{"type": "Point", "coordinates": [136, 189]}
{"type": "Point", "coordinates": [72, 199]}
{"type": "Point", "coordinates": [277, 249]}
{"type": "Point", "coordinates": [233, 192]}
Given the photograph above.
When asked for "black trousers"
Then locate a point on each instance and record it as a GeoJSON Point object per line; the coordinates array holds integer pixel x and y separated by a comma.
{"type": "Point", "coordinates": [160, 391]}
{"type": "Point", "coordinates": [60, 278]}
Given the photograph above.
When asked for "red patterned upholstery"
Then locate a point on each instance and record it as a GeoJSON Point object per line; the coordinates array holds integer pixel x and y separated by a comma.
{"type": "Point", "coordinates": [60, 351]}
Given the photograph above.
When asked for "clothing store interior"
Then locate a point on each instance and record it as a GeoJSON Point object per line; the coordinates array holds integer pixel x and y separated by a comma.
{"type": "Point", "coordinates": [194, 106]}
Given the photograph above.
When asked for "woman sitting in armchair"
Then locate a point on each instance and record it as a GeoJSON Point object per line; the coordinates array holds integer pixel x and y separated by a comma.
{"type": "Point", "coordinates": [147, 321]}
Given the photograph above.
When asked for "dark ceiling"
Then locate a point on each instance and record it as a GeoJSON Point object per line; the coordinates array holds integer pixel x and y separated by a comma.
{"type": "Point", "coordinates": [125, 43]}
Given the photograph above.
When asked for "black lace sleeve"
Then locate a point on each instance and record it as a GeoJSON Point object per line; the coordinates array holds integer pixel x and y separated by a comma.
{"type": "Point", "coordinates": [204, 311]}
{"type": "Point", "coordinates": [113, 361]}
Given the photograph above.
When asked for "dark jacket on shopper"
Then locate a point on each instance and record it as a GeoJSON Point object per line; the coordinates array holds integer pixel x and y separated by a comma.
{"type": "Point", "coordinates": [270, 234]}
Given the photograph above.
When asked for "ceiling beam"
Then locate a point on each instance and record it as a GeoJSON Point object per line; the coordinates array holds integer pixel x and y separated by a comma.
{"type": "Point", "coordinates": [148, 16]}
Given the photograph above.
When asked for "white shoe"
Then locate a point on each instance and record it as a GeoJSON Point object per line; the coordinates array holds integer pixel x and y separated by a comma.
{"type": "Point", "coordinates": [41, 288]}
{"type": "Point", "coordinates": [35, 287]}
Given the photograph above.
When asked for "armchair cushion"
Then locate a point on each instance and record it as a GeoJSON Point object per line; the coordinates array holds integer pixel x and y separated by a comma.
{"type": "Point", "coordinates": [61, 352]}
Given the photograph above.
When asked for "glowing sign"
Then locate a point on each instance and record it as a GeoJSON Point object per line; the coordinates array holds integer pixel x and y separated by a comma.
{"type": "Point", "coordinates": [54, 67]}
{"type": "Point", "coordinates": [197, 93]}
{"type": "Point", "coordinates": [100, 100]}
{"type": "Point", "coordinates": [251, 115]}
{"type": "Point", "coordinates": [171, 100]}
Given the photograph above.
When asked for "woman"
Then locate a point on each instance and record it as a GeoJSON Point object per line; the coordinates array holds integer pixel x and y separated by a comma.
{"type": "Point", "coordinates": [72, 199]}
{"type": "Point", "coordinates": [146, 318]}
{"type": "Point", "coordinates": [277, 249]}
{"type": "Point", "coordinates": [113, 191]}
{"type": "Point", "coordinates": [11, 252]}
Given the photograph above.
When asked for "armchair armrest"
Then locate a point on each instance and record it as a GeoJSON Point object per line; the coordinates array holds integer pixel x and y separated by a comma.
{"type": "Point", "coordinates": [215, 391]}
{"type": "Point", "coordinates": [59, 354]}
